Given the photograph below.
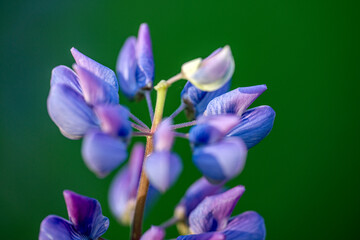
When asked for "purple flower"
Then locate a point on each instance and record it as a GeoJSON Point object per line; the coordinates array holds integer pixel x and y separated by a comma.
{"type": "Point", "coordinates": [86, 103]}
{"type": "Point", "coordinates": [194, 195]}
{"type": "Point", "coordinates": [211, 73]}
{"type": "Point", "coordinates": [162, 166]}
{"type": "Point", "coordinates": [85, 220]}
{"type": "Point", "coordinates": [135, 64]}
{"type": "Point", "coordinates": [255, 123]}
{"type": "Point", "coordinates": [221, 142]}
{"type": "Point", "coordinates": [218, 158]}
{"type": "Point", "coordinates": [211, 219]}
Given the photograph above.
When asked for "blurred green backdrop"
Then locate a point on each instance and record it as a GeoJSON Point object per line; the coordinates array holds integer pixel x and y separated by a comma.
{"type": "Point", "coordinates": [303, 178]}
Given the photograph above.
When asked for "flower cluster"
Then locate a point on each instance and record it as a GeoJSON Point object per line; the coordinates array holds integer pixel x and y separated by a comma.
{"type": "Point", "coordinates": [84, 103]}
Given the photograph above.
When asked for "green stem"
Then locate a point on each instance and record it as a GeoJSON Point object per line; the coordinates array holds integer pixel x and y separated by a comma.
{"type": "Point", "coordinates": [161, 89]}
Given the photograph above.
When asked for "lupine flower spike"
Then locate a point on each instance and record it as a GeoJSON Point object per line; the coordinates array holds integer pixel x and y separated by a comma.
{"type": "Point", "coordinates": [84, 103]}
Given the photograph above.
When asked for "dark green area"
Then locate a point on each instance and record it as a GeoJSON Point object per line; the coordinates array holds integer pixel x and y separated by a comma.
{"type": "Point", "coordinates": [303, 178]}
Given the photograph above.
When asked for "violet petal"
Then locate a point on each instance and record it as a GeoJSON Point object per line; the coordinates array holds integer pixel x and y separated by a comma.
{"type": "Point", "coordinates": [126, 68]}
{"type": "Point", "coordinates": [221, 161]}
{"type": "Point", "coordinates": [123, 189]}
{"type": "Point", "coordinates": [114, 120]}
{"type": "Point", "coordinates": [154, 233]}
{"type": "Point", "coordinates": [196, 100]}
{"type": "Point", "coordinates": [213, 212]}
{"type": "Point", "coordinates": [102, 153]}
{"type": "Point", "coordinates": [163, 169]}
{"type": "Point", "coordinates": [164, 136]}
{"type": "Point", "coordinates": [85, 214]}
{"type": "Point", "coordinates": [54, 227]}
{"type": "Point", "coordinates": [95, 90]}
{"type": "Point", "coordinates": [64, 75]}
{"type": "Point", "coordinates": [99, 70]}
{"type": "Point", "coordinates": [194, 195]}
{"type": "Point", "coordinates": [235, 101]}
{"type": "Point", "coordinates": [67, 108]}
{"type": "Point", "coordinates": [255, 125]}
{"type": "Point", "coordinates": [145, 59]}
{"type": "Point", "coordinates": [224, 123]}
{"type": "Point", "coordinates": [246, 226]}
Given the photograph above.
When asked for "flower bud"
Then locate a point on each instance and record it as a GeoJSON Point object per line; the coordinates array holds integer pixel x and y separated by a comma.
{"type": "Point", "coordinates": [211, 73]}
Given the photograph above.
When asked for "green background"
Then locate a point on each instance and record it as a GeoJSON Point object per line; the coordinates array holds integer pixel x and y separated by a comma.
{"type": "Point", "coordinates": [303, 178]}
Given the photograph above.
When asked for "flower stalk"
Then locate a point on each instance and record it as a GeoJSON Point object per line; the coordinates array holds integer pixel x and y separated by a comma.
{"type": "Point", "coordinates": [161, 89]}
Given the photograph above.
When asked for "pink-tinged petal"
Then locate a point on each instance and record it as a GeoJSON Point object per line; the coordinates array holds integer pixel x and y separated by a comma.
{"type": "Point", "coordinates": [164, 136]}
{"type": "Point", "coordinates": [64, 75]}
{"type": "Point", "coordinates": [154, 233]}
{"type": "Point", "coordinates": [54, 227]}
{"type": "Point", "coordinates": [203, 236]}
{"type": "Point", "coordinates": [194, 195]}
{"type": "Point", "coordinates": [114, 120]}
{"type": "Point", "coordinates": [85, 214]}
{"type": "Point", "coordinates": [102, 72]}
{"type": "Point", "coordinates": [196, 100]}
{"type": "Point", "coordinates": [213, 212]}
{"type": "Point", "coordinates": [224, 123]}
{"type": "Point", "coordinates": [95, 90]}
{"type": "Point", "coordinates": [235, 101]}
{"type": "Point", "coordinates": [123, 189]}
{"type": "Point", "coordinates": [221, 161]}
{"type": "Point", "coordinates": [246, 226]}
{"type": "Point", "coordinates": [255, 125]}
{"type": "Point", "coordinates": [145, 59]}
{"type": "Point", "coordinates": [163, 169]}
{"type": "Point", "coordinates": [103, 153]}
{"type": "Point", "coordinates": [126, 68]}
{"type": "Point", "coordinates": [68, 109]}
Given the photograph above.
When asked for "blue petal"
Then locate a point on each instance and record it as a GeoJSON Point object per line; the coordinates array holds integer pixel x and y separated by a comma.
{"type": "Point", "coordinates": [54, 227]}
{"type": "Point", "coordinates": [235, 101]}
{"type": "Point", "coordinates": [85, 214]}
{"type": "Point", "coordinates": [196, 100]}
{"type": "Point", "coordinates": [163, 169]}
{"type": "Point", "coordinates": [145, 59]}
{"type": "Point", "coordinates": [164, 136]}
{"type": "Point", "coordinates": [255, 125]}
{"type": "Point", "coordinates": [64, 75]}
{"type": "Point", "coordinates": [213, 212]}
{"type": "Point", "coordinates": [102, 72]}
{"type": "Point", "coordinates": [247, 226]}
{"type": "Point", "coordinates": [154, 233]}
{"type": "Point", "coordinates": [221, 161]}
{"type": "Point", "coordinates": [123, 189]}
{"type": "Point", "coordinates": [126, 68]}
{"type": "Point", "coordinates": [194, 195]}
{"type": "Point", "coordinates": [114, 120]}
{"type": "Point", "coordinates": [67, 108]}
{"type": "Point", "coordinates": [95, 90]}
{"type": "Point", "coordinates": [204, 134]}
{"type": "Point", "coordinates": [102, 153]}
